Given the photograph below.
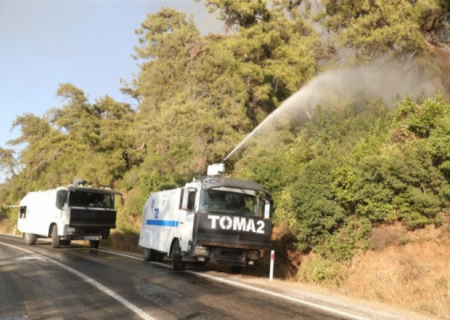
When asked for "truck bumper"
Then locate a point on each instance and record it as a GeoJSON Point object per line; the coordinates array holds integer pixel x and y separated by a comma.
{"type": "Point", "coordinates": [92, 238]}
{"type": "Point", "coordinates": [227, 256]}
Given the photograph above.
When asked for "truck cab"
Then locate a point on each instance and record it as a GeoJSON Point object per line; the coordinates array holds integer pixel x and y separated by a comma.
{"type": "Point", "coordinates": [212, 219]}
{"type": "Point", "coordinates": [68, 213]}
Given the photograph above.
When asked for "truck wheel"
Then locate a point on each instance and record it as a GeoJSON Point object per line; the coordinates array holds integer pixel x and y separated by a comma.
{"type": "Point", "coordinates": [93, 244]}
{"type": "Point", "coordinates": [64, 242]}
{"type": "Point", "coordinates": [29, 238]}
{"type": "Point", "coordinates": [236, 269]}
{"type": "Point", "coordinates": [177, 260]}
{"type": "Point", "coordinates": [149, 254]}
{"type": "Point", "coordinates": [55, 237]}
{"type": "Point", "coordinates": [202, 263]}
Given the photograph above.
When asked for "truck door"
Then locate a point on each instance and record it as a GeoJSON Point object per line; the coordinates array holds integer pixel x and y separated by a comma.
{"type": "Point", "coordinates": [188, 200]}
{"type": "Point", "coordinates": [61, 201]}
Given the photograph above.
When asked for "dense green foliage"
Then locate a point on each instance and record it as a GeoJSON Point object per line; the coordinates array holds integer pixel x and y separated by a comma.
{"type": "Point", "coordinates": [376, 28]}
{"type": "Point", "coordinates": [332, 177]}
{"type": "Point", "coordinates": [344, 172]}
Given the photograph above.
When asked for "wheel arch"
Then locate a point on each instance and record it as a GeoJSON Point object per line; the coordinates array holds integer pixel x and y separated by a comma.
{"type": "Point", "coordinates": [172, 244]}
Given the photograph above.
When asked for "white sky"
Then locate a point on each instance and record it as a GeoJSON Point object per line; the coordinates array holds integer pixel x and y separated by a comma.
{"type": "Point", "coordinates": [88, 43]}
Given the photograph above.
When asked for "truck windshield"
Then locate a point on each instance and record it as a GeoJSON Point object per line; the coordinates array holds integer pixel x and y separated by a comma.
{"type": "Point", "coordinates": [91, 199]}
{"type": "Point", "coordinates": [229, 202]}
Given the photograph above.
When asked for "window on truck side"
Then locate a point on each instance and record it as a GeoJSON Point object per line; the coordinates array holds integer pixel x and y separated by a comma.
{"type": "Point", "coordinates": [191, 200]}
{"type": "Point", "coordinates": [23, 212]}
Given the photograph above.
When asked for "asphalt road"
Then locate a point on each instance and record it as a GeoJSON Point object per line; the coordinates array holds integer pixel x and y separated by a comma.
{"type": "Point", "coordinates": [38, 282]}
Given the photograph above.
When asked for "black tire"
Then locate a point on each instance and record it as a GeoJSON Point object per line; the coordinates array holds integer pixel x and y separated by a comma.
{"type": "Point", "coordinates": [55, 238]}
{"type": "Point", "coordinates": [236, 269]}
{"type": "Point", "coordinates": [149, 254]}
{"type": "Point", "coordinates": [202, 263]}
{"type": "Point", "coordinates": [177, 260]}
{"type": "Point", "coordinates": [93, 244]}
{"type": "Point", "coordinates": [30, 238]}
{"type": "Point", "coordinates": [65, 242]}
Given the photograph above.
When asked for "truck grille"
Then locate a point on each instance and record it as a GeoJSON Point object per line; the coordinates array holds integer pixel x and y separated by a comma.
{"type": "Point", "coordinates": [231, 253]}
{"type": "Point", "coordinates": [92, 218]}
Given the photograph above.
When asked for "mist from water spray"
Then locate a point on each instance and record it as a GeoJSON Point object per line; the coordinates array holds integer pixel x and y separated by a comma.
{"type": "Point", "coordinates": [388, 82]}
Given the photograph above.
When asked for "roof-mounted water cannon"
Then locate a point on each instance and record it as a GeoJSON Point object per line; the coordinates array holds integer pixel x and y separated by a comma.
{"type": "Point", "coordinates": [77, 182]}
{"type": "Point", "coordinates": [216, 169]}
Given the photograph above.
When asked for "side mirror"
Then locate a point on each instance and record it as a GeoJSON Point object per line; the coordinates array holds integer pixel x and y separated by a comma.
{"type": "Point", "coordinates": [265, 208]}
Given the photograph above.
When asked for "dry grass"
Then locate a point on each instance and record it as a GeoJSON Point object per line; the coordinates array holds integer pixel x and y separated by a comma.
{"type": "Point", "coordinates": [387, 236]}
{"type": "Point", "coordinates": [414, 276]}
{"type": "Point", "coordinates": [8, 226]}
{"type": "Point", "coordinates": [287, 259]}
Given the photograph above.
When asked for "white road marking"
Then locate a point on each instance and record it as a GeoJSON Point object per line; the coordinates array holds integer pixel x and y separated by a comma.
{"type": "Point", "coordinates": [279, 295]}
{"type": "Point", "coordinates": [248, 287]}
{"type": "Point", "coordinates": [96, 284]}
{"type": "Point", "coordinates": [33, 257]}
{"type": "Point", "coordinates": [233, 283]}
{"type": "Point", "coordinates": [118, 254]}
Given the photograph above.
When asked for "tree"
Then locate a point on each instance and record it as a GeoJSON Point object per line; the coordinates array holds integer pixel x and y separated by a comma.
{"type": "Point", "coordinates": [41, 144]}
{"type": "Point", "coordinates": [78, 140]}
{"type": "Point", "coordinates": [166, 40]}
{"type": "Point", "coordinates": [375, 28]}
{"type": "Point", "coordinates": [276, 49]}
{"type": "Point", "coordinates": [7, 161]}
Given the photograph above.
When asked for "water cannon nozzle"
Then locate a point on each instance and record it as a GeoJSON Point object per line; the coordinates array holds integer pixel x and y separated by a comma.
{"type": "Point", "coordinates": [216, 169]}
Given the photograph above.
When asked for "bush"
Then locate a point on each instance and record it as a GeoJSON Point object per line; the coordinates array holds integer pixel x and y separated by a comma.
{"type": "Point", "coordinates": [323, 271]}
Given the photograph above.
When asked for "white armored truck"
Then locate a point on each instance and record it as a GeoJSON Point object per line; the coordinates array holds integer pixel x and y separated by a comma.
{"type": "Point", "coordinates": [221, 220]}
{"type": "Point", "coordinates": [68, 213]}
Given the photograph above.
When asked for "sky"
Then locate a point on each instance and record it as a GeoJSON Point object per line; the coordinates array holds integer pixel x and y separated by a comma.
{"type": "Point", "coordinates": [88, 43]}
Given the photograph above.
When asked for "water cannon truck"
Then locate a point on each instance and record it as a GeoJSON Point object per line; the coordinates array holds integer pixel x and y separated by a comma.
{"type": "Point", "coordinates": [212, 219]}
{"type": "Point", "coordinates": [74, 212]}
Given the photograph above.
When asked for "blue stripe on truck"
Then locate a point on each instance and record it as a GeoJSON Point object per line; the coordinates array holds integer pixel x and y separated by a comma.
{"type": "Point", "coordinates": [162, 223]}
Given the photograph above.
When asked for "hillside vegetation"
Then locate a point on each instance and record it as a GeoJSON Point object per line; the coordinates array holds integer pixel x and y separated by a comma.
{"type": "Point", "coordinates": [366, 148]}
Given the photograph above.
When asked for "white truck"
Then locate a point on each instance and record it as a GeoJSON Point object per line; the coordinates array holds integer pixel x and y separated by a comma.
{"type": "Point", "coordinates": [68, 213]}
{"type": "Point", "coordinates": [221, 220]}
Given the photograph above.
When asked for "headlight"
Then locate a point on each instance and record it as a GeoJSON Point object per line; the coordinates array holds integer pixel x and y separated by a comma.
{"type": "Point", "coordinates": [201, 251]}
{"type": "Point", "coordinates": [252, 255]}
{"type": "Point", "coordinates": [69, 230]}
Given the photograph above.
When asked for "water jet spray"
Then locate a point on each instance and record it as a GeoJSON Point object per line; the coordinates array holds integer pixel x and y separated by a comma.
{"type": "Point", "coordinates": [387, 82]}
